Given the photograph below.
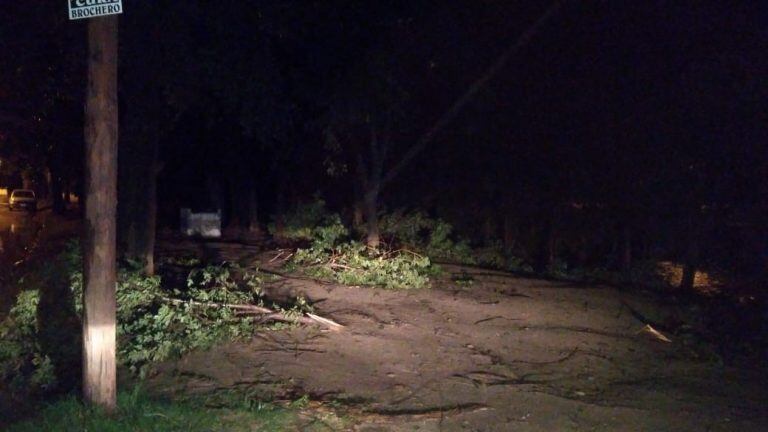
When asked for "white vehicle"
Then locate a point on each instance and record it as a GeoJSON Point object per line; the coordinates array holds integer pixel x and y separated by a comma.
{"type": "Point", "coordinates": [23, 198]}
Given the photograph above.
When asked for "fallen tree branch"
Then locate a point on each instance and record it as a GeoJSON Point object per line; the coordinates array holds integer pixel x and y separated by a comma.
{"type": "Point", "coordinates": [432, 411]}
{"type": "Point", "coordinates": [267, 314]}
{"type": "Point", "coordinates": [402, 250]}
{"type": "Point", "coordinates": [644, 319]}
{"type": "Point", "coordinates": [657, 335]}
{"type": "Point", "coordinates": [489, 319]}
{"type": "Point", "coordinates": [334, 265]}
{"type": "Point", "coordinates": [281, 251]}
{"type": "Point", "coordinates": [487, 378]}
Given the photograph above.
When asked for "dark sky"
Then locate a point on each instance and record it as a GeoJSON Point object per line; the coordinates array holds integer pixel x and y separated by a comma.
{"type": "Point", "coordinates": [608, 84]}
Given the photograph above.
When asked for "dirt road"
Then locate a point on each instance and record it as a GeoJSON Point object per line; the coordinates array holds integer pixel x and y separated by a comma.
{"type": "Point", "coordinates": [497, 353]}
{"type": "Point", "coordinates": [16, 230]}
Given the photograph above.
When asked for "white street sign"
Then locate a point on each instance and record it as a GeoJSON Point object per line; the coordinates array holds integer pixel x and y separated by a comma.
{"type": "Point", "coordinates": [79, 9]}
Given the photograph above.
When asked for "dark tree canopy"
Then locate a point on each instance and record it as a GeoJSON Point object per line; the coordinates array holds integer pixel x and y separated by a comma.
{"type": "Point", "coordinates": [642, 124]}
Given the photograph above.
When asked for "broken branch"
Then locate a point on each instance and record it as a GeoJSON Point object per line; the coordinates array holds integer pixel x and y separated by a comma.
{"type": "Point", "coordinates": [268, 314]}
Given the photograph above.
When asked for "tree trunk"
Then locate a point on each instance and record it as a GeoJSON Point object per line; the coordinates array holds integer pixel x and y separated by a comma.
{"type": "Point", "coordinates": [626, 256]}
{"type": "Point", "coordinates": [551, 247]}
{"type": "Point", "coordinates": [99, 260]}
{"type": "Point", "coordinates": [234, 206]}
{"type": "Point", "coordinates": [280, 210]}
{"type": "Point", "coordinates": [358, 203]}
{"type": "Point", "coordinates": [489, 229]}
{"type": "Point", "coordinates": [583, 251]}
{"type": "Point", "coordinates": [547, 246]}
{"type": "Point", "coordinates": [509, 233]}
{"type": "Point", "coordinates": [371, 208]}
{"type": "Point", "coordinates": [253, 210]}
{"type": "Point", "coordinates": [371, 175]}
{"type": "Point", "coordinates": [691, 259]}
{"type": "Point", "coordinates": [67, 192]}
{"type": "Point", "coordinates": [357, 214]}
{"type": "Point", "coordinates": [137, 200]}
{"type": "Point", "coordinates": [150, 228]}
{"type": "Point", "coordinates": [689, 277]}
{"type": "Point", "coordinates": [689, 266]}
{"type": "Point", "coordinates": [57, 196]}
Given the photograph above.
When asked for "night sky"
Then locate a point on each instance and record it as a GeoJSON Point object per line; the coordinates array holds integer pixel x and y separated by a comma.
{"type": "Point", "coordinates": [646, 112]}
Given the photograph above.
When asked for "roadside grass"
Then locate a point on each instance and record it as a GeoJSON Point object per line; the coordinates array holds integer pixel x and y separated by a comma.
{"type": "Point", "coordinates": [138, 412]}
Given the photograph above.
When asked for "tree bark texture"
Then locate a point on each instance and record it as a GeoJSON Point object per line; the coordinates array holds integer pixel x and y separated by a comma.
{"type": "Point", "coordinates": [373, 238]}
{"type": "Point", "coordinates": [695, 228]}
{"type": "Point", "coordinates": [690, 264]}
{"type": "Point", "coordinates": [99, 260]}
{"type": "Point", "coordinates": [57, 196]}
{"type": "Point", "coordinates": [253, 210]}
{"type": "Point", "coordinates": [357, 214]}
{"type": "Point", "coordinates": [142, 123]}
{"type": "Point", "coordinates": [150, 232]}
{"type": "Point", "coordinates": [371, 172]}
{"type": "Point", "coordinates": [137, 208]}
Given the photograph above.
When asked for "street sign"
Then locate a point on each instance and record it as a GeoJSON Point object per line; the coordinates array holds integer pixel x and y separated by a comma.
{"type": "Point", "coordinates": [79, 9]}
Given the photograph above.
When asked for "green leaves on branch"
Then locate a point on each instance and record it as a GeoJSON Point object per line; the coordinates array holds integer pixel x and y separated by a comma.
{"type": "Point", "coordinates": [308, 222]}
{"type": "Point", "coordinates": [22, 362]}
{"type": "Point", "coordinates": [431, 237]}
{"type": "Point", "coordinates": [153, 323]}
{"type": "Point", "coordinates": [332, 255]}
{"type": "Point", "coordinates": [353, 263]}
{"type": "Point", "coordinates": [151, 327]}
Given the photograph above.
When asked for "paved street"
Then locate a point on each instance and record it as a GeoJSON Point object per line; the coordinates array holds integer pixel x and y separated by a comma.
{"type": "Point", "coordinates": [17, 228]}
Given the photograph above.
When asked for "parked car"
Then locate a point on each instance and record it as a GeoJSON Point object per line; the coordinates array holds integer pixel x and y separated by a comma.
{"type": "Point", "coordinates": [24, 199]}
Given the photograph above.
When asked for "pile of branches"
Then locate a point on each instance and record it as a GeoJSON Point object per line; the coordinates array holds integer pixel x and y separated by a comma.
{"type": "Point", "coordinates": [354, 263]}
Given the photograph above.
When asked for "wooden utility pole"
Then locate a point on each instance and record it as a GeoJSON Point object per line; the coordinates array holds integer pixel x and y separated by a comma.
{"type": "Point", "coordinates": [99, 320]}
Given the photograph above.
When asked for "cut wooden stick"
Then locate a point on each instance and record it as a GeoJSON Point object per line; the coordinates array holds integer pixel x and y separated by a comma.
{"type": "Point", "coordinates": [325, 321]}
{"type": "Point", "coordinates": [281, 252]}
{"type": "Point", "coordinates": [654, 333]}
